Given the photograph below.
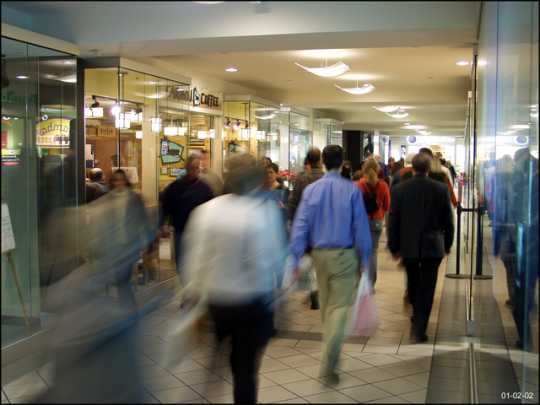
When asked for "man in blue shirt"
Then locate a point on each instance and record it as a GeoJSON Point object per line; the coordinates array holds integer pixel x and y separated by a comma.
{"type": "Point", "coordinates": [332, 220]}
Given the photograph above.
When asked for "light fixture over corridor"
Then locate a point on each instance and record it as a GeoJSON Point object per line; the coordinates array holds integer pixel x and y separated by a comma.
{"type": "Point", "coordinates": [334, 70]}
{"type": "Point", "coordinates": [358, 90]}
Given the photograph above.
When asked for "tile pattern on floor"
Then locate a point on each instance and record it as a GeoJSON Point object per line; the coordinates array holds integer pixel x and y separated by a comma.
{"type": "Point", "coordinates": [385, 368]}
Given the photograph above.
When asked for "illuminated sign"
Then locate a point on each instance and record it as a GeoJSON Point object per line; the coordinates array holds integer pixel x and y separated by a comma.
{"type": "Point", "coordinates": [53, 133]}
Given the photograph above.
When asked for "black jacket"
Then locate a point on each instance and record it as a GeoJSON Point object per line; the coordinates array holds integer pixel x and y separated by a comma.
{"type": "Point", "coordinates": [180, 198]}
{"type": "Point", "coordinates": [421, 219]}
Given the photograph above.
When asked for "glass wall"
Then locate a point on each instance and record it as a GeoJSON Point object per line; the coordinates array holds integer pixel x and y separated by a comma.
{"type": "Point", "coordinates": [259, 129]}
{"type": "Point", "coordinates": [39, 178]}
{"type": "Point", "coordinates": [140, 123]}
{"type": "Point", "coordinates": [327, 132]}
{"type": "Point", "coordinates": [301, 134]}
{"type": "Point", "coordinates": [507, 175]}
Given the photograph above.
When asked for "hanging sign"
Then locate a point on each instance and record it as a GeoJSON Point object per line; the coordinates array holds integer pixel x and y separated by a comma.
{"type": "Point", "coordinates": [53, 133]}
{"type": "Point", "coordinates": [8, 240]}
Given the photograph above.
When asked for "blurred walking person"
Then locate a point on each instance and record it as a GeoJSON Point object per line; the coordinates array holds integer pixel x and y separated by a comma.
{"type": "Point", "coordinates": [95, 341]}
{"type": "Point", "coordinates": [209, 175]}
{"type": "Point", "coordinates": [421, 232]}
{"type": "Point", "coordinates": [180, 198]}
{"type": "Point", "coordinates": [332, 220]}
{"type": "Point", "coordinates": [233, 246]}
{"type": "Point", "coordinates": [313, 172]}
{"type": "Point", "coordinates": [377, 202]}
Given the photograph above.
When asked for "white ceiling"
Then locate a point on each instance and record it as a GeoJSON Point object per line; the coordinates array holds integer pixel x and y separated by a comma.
{"type": "Point", "coordinates": [424, 79]}
{"type": "Point", "coordinates": [410, 49]}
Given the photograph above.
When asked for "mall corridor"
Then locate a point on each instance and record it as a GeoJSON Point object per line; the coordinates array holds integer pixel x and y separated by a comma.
{"type": "Point", "coordinates": [262, 201]}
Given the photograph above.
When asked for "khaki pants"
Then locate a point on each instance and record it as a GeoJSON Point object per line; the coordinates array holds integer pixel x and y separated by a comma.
{"type": "Point", "coordinates": [337, 277]}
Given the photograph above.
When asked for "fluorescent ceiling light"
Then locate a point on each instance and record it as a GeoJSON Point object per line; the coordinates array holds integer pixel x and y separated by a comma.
{"type": "Point", "coordinates": [328, 71]}
{"type": "Point", "coordinates": [364, 89]}
{"type": "Point", "coordinates": [231, 69]}
{"type": "Point", "coordinates": [139, 134]}
{"type": "Point", "coordinates": [423, 132]}
{"type": "Point", "coordinates": [388, 108]}
{"type": "Point", "coordinates": [69, 62]}
{"type": "Point", "coordinates": [482, 62]}
{"type": "Point", "coordinates": [462, 63]}
{"type": "Point", "coordinates": [209, 2]}
{"type": "Point", "coordinates": [21, 77]}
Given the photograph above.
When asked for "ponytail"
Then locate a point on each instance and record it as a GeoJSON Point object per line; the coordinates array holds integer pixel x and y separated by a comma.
{"type": "Point", "coordinates": [370, 169]}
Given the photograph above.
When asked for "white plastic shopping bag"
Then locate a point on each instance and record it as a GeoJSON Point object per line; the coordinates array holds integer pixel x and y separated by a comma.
{"type": "Point", "coordinates": [364, 318]}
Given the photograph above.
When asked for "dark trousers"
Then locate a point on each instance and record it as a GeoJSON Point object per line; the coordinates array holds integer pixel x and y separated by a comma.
{"type": "Point", "coordinates": [422, 279]}
{"type": "Point", "coordinates": [250, 327]}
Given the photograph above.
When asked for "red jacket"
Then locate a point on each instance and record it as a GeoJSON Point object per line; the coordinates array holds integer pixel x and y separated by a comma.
{"type": "Point", "coordinates": [382, 192]}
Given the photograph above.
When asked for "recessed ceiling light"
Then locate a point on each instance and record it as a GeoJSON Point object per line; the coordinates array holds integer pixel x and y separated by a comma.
{"type": "Point", "coordinates": [462, 63]}
{"type": "Point", "coordinates": [21, 77]}
{"type": "Point", "coordinates": [231, 69]}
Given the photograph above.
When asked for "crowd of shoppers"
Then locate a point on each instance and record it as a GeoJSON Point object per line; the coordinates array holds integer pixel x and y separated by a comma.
{"type": "Point", "coordinates": [233, 238]}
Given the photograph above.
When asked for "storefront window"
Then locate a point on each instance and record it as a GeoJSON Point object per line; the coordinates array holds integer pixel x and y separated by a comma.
{"type": "Point", "coordinates": [301, 133]}
{"type": "Point", "coordinates": [327, 132]}
{"type": "Point", "coordinates": [39, 178]}
{"type": "Point", "coordinates": [507, 176]}
{"type": "Point", "coordinates": [260, 129]}
{"type": "Point", "coordinates": [140, 123]}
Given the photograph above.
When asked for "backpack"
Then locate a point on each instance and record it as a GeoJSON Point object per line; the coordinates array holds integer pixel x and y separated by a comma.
{"type": "Point", "coordinates": [370, 200]}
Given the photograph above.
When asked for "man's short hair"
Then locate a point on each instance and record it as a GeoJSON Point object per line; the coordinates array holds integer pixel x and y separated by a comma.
{"type": "Point", "coordinates": [191, 158]}
{"type": "Point", "coordinates": [313, 157]}
{"type": "Point", "coordinates": [332, 156]}
{"type": "Point", "coordinates": [427, 151]}
{"type": "Point", "coordinates": [421, 163]}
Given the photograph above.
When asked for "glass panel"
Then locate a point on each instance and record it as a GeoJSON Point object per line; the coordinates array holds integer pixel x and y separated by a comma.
{"type": "Point", "coordinates": [236, 118]}
{"type": "Point", "coordinates": [300, 138]}
{"type": "Point", "coordinates": [39, 178]}
{"type": "Point", "coordinates": [508, 176]}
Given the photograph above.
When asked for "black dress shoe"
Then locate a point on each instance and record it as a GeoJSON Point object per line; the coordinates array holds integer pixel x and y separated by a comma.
{"type": "Point", "coordinates": [331, 379]}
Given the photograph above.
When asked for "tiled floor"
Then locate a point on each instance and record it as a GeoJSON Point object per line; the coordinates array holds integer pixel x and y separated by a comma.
{"type": "Point", "coordinates": [384, 369]}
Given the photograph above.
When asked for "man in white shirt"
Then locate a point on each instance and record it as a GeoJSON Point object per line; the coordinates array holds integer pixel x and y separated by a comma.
{"type": "Point", "coordinates": [235, 244]}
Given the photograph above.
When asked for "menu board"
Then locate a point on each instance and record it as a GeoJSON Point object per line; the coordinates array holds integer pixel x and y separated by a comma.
{"type": "Point", "coordinates": [8, 240]}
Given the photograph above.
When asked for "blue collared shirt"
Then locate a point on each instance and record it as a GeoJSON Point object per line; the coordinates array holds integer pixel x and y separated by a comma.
{"type": "Point", "coordinates": [331, 215]}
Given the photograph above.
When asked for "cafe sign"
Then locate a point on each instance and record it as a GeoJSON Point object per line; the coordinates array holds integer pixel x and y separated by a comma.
{"type": "Point", "coordinates": [192, 95]}
{"type": "Point", "coordinates": [53, 133]}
